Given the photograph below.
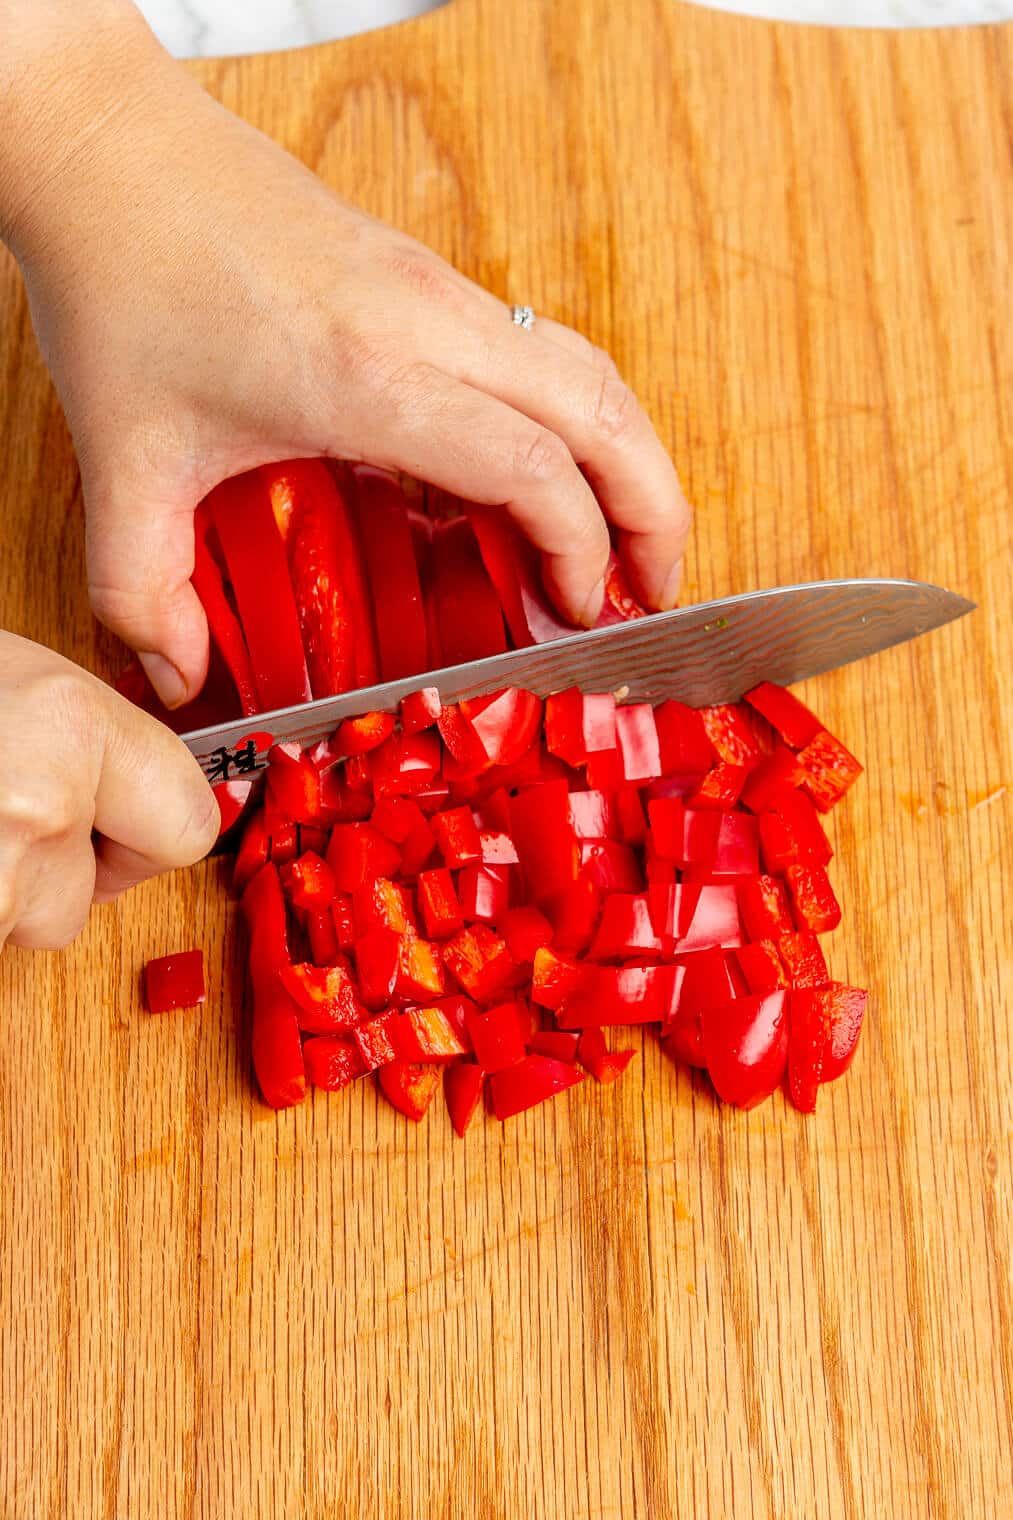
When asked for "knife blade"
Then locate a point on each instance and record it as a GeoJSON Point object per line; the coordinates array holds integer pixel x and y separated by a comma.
{"type": "Point", "coordinates": [705, 654]}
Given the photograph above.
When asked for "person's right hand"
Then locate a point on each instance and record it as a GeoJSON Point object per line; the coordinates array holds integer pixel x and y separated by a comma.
{"type": "Point", "coordinates": [95, 796]}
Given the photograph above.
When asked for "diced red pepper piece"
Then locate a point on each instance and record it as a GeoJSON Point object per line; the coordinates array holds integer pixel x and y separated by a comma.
{"type": "Point", "coordinates": [418, 848]}
{"type": "Point", "coordinates": [631, 818]}
{"type": "Point", "coordinates": [498, 849]}
{"type": "Point", "coordinates": [492, 816]}
{"type": "Point", "coordinates": [667, 817]}
{"type": "Point", "coordinates": [293, 783]}
{"type": "Point", "coordinates": [420, 969]}
{"type": "Point", "coordinates": [610, 866]}
{"type": "Point", "coordinates": [175, 981]}
{"type": "Point", "coordinates": [625, 931]}
{"type": "Point", "coordinates": [573, 914]}
{"type": "Point", "coordinates": [438, 903]}
{"type": "Point", "coordinates": [232, 797]}
{"type": "Point", "coordinates": [807, 1050]}
{"type": "Point", "coordinates": [828, 770]}
{"type": "Point", "coordinates": [713, 977]}
{"type": "Point", "coordinates": [358, 853]}
{"type": "Point", "coordinates": [598, 723]}
{"type": "Point", "coordinates": [258, 569]}
{"type": "Point", "coordinates": [729, 731]}
{"type": "Point", "coordinates": [720, 788]}
{"type": "Point", "coordinates": [529, 1083]}
{"type": "Point", "coordinates": [251, 855]}
{"type": "Point", "coordinates": [426, 1035]}
{"type": "Point", "coordinates": [392, 573]}
{"type": "Point", "coordinates": [357, 736]}
{"type": "Point", "coordinates": [686, 752]}
{"type": "Point", "coordinates": [283, 844]}
{"type": "Point", "coordinates": [745, 1043]}
{"type": "Point", "coordinates": [499, 1036]}
{"type": "Point", "coordinates": [593, 815]}
{"type": "Point", "coordinates": [691, 917]}
{"type": "Point", "coordinates": [405, 764]}
{"type": "Point", "coordinates": [803, 957]}
{"type": "Point", "coordinates": [277, 1048]}
{"type": "Point", "coordinates": [792, 835]}
{"type": "Point", "coordinates": [604, 1065]}
{"type": "Point", "coordinates": [784, 712]}
{"type": "Point", "coordinates": [555, 977]}
{"type": "Point", "coordinates": [466, 606]}
{"type": "Point", "coordinates": [322, 937]}
{"type": "Point", "coordinates": [308, 883]}
{"type": "Point", "coordinates": [359, 774]}
{"type": "Point", "coordinates": [763, 903]}
{"type": "Point", "coordinates": [332, 1062]}
{"type": "Point", "coordinates": [344, 920]}
{"type": "Point", "coordinates": [480, 962]}
{"type": "Point", "coordinates": [377, 963]}
{"type": "Point", "coordinates": [410, 1088]}
{"type": "Point", "coordinates": [395, 817]}
{"type": "Point", "coordinates": [314, 839]}
{"type": "Point", "coordinates": [560, 1044]}
{"type": "Point", "coordinates": [382, 904]}
{"type": "Point", "coordinates": [638, 743]}
{"type": "Point", "coordinates": [505, 723]}
{"type": "Point", "coordinates": [542, 832]}
{"type": "Point", "coordinates": [618, 995]}
{"type": "Point", "coordinates": [325, 997]}
{"type": "Point", "coordinates": [816, 907]}
{"type": "Point", "coordinates": [840, 1010]}
{"type": "Point", "coordinates": [373, 1040]}
{"type": "Point", "coordinates": [604, 771]}
{"type": "Point", "coordinates": [465, 753]}
{"type": "Point", "coordinates": [462, 1088]}
{"type": "Point", "coordinates": [484, 892]}
{"type": "Point", "coordinates": [563, 726]}
{"type": "Point", "coordinates": [762, 967]}
{"type": "Point", "coordinates": [223, 624]}
{"type": "Point", "coordinates": [526, 931]}
{"type": "Point", "coordinates": [776, 778]}
{"type": "Point", "coordinates": [420, 710]}
{"type": "Point", "coordinates": [457, 837]}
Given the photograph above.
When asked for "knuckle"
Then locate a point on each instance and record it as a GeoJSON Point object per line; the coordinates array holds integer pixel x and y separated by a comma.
{"type": "Point", "coordinates": [424, 274]}
{"type": "Point", "coordinates": [615, 409]}
{"type": "Point", "coordinates": [543, 459]}
{"type": "Point", "coordinates": [37, 813]}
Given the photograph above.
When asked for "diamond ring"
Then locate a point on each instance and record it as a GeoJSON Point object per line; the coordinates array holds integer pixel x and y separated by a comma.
{"type": "Point", "coordinates": [523, 316]}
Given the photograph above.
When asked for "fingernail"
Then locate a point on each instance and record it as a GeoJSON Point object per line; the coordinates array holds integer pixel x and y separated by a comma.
{"type": "Point", "coordinates": [165, 678]}
{"type": "Point", "coordinates": [670, 595]}
{"type": "Point", "coordinates": [593, 606]}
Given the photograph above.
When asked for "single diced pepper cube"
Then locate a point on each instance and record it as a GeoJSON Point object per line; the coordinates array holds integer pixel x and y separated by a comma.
{"type": "Point", "coordinates": [784, 712]}
{"type": "Point", "coordinates": [816, 907]}
{"type": "Point", "coordinates": [804, 959]}
{"type": "Point", "coordinates": [499, 1036]}
{"type": "Point", "coordinates": [325, 996]}
{"type": "Point", "coordinates": [457, 837]}
{"type": "Point", "coordinates": [480, 962]}
{"type": "Point", "coordinates": [175, 981]}
{"type": "Point", "coordinates": [526, 931]}
{"type": "Point", "coordinates": [530, 1082]}
{"type": "Point", "coordinates": [439, 905]}
{"type": "Point", "coordinates": [638, 743]}
{"type": "Point", "coordinates": [828, 770]}
{"type": "Point", "coordinates": [763, 903]}
{"type": "Point", "coordinates": [332, 1062]}
{"type": "Point", "coordinates": [410, 1088]}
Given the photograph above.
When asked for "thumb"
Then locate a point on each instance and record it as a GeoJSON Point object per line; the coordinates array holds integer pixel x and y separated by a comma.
{"type": "Point", "coordinates": [140, 548]}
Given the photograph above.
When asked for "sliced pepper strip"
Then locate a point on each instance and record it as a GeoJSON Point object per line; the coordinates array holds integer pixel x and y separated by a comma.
{"type": "Point", "coordinates": [223, 624]}
{"type": "Point", "coordinates": [392, 573]}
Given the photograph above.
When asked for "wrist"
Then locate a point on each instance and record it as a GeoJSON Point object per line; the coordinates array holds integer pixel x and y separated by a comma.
{"type": "Point", "coordinates": [64, 81]}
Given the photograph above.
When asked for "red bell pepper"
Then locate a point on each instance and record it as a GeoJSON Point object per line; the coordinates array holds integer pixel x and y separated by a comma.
{"type": "Point", "coordinates": [479, 962]}
{"type": "Point", "coordinates": [745, 1044]}
{"type": "Point", "coordinates": [761, 966]}
{"type": "Point", "coordinates": [404, 764]}
{"type": "Point", "coordinates": [720, 788]}
{"type": "Point", "coordinates": [252, 853]}
{"type": "Point", "coordinates": [322, 937]}
{"type": "Point", "coordinates": [804, 960]}
{"type": "Point", "coordinates": [426, 1035]}
{"type": "Point", "coordinates": [579, 725]}
{"type": "Point", "coordinates": [293, 783]}
{"type": "Point", "coordinates": [807, 1051]}
{"type": "Point", "coordinates": [308, 883]}
{"type": "Point", "coordinates": [784, 712]}
{"type": "Point", "coordinates": [175, 981]}
{"type": "Point", "coordinates": [816, 907]}
{"type": "Point", "coordinates": [729, 731]}
{"type": "Point", "coordinates": [377, 963]}
{"type": "Point", "coordinates": [232, 797]}
{"type": "Point", "coordinates": [467, 610]}
{"type": "Point", "coordinates": [505, 724]}
{"type": "Point", "coordinates": [466, 756]}
{"type": "Point", "coordinates": [420, 710]}
{"type": "Point", "coordinates": [484, 892]}
{"type": "Point", "coordinates": [610, 866]}
{"type": "Point", "coordinates": [332, 1062]}
{"type": "Point", "coordinates": [763, 903]}
{"type": "Point", "coordinates": [457, 837]}
{"type": "Point", "coordinates": [462, 1088]}
{"type": "Point", "coordinates": [325, 997]}
{"type": "Point", "coordinates": [357, 736]}
{"type": "Point", "coordinates": [691, 917]}
{"type": "Point", "coordinates": [604, 1065]}
{"type": "Point", "coordinates": [498, 849]}
{"type": "Point", "coordinates": [593, 815]}
{"type": "Point", "coordinates": [560, 1044]}
{"type": "Point", "coordinates": [792, 835]}
{"type": "Point", "coordinates": [638, 743]}
{"type": "Point", "coordinates": [555, 977]}
{"type": "Point", "coordinates": [409, 1088]}
{"type": "Point", "coordinates": [420, 969]}
{"type": "Point", "coordinates": [626, 931]}
{"type": "Point", "coordinates": [439, 905]}
{"type": "Point", "coordinates": [373, 1040]}
{"type": "Point", "coordinates": [631, 817]}
{"type": "Point", "coordinates": [396, 817]}
{"type": "Point", "coordinates": [828, 770]}
{"type": "Point", "coordinates": [604, 771]}
{"type": "Point", "coordinates": [686, 752]}
{"type": "Point", "coordinates": [499, 1036]}
{"type": "Point", "coordinates": [344, 920]}
{"type": "Point", "coordinates": [667, 818]}
{"type": "Point", "coordinates": [392, 572]}
{"type": "Point", "coordinates": [839, 1012]}
{"type": "Point", "coordinates": [358, 853]}
{"type": "Point", "coordinates": [223, 624]}
{"type": "Point", "coordinates": [277, 1049]}
{"type": "Point", "coordinates": [258, 568]}
{"type": "Point", "coordinates": [773, 782]}
{"type": "Point", "coordinates": [418, 848]}
{"type": "Point", "coordinates": [526, 931]}
{"type": "Point", "coordinates": [529, 1083]}
{"type": "Point", "coordinates": [541, 829]}
{"type": "Point", "coordinates": [574, 914]}
{"type": "Point", "coordinates": [283, 844]}
{"type": "Point", "coordinates": [628, 994]}
{"type": "Point", "coordinates": [382, 904]}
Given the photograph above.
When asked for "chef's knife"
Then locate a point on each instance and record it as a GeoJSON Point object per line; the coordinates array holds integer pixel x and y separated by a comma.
{"type": "Point", "coordinates": [702, 655]}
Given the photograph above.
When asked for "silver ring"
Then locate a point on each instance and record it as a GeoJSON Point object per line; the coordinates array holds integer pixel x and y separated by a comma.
{"type": "Point", "coordinates": [523, 316]}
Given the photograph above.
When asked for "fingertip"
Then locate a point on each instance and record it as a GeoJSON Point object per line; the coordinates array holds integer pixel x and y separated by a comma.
{"type": "Point", "coordinates": [170, 684]}
{"type": "Point", "coordinates": [669, 598]}
{"type": "Point", "coordinates": [591, 610]}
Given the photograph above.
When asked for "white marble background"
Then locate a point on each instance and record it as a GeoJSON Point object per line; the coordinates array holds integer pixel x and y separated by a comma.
{"type": "Point", "coordinates": [213, 27]}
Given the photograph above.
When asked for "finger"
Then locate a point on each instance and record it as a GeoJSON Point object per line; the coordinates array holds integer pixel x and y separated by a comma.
{"type": "Point", "coordinates": [476, 447]}
{"type": "Point", "coordinates": [151, 796]}
{"type": "Point", "coordinates": [8, 894]}
{"type": "Point", "coordinates": [57, 895]}
{"type": "Point", "coordinates": [118, 868]}
{"type": "Point", "coordinates": [140, 559]}
{"type": "Point", "coordinates": [579, 396]}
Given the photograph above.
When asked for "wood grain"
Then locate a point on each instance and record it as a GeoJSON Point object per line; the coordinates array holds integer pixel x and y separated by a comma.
{"type": "Point", "coordinates": [797, 244]}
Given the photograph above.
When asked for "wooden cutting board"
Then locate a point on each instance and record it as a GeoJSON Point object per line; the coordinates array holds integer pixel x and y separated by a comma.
{"type": "Point", "coordinates": [630, 1303]}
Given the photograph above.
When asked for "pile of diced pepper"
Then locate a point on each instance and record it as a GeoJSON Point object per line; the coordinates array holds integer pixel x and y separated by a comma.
{"type": "Point", "coordinates": [472, 895]}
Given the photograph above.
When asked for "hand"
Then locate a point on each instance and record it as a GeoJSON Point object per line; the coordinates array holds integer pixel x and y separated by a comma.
{"type": "Point", "coordinates": [206, 304]}
{"type": "Point", "coordinates": [95, 796]}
